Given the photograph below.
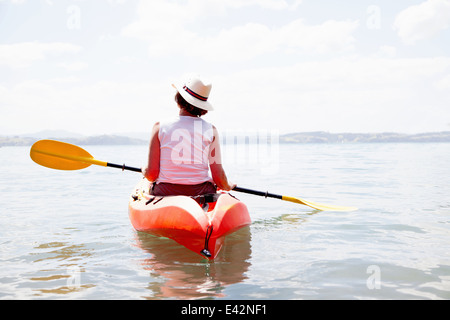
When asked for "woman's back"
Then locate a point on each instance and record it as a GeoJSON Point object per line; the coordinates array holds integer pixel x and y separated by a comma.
{"type": "Point", "coordinates": [184, 146]}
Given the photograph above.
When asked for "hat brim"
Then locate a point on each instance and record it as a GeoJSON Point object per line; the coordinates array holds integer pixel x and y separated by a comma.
{"type": "Point", "coordinates": [204, 105]}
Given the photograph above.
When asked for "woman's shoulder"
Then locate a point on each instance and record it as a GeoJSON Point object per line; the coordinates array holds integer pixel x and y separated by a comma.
{"type": "Point", "coordinates": [207, 123]}
{"type": "Point", "coordinates": [167, 121]}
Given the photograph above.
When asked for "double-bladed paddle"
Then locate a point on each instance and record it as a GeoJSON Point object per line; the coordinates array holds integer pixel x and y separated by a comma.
{"type": "Point", "coordinates": [65, 156]}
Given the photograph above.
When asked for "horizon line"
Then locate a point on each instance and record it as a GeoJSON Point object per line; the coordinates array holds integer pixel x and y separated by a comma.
{"type": "Point", "coordinates": [243, 131]}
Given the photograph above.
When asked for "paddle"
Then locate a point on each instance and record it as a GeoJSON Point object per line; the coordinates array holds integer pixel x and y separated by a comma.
{"type": "Point", "coordinates": [65, 156]}
{"type": "Point", "coordinates": [314, 205]}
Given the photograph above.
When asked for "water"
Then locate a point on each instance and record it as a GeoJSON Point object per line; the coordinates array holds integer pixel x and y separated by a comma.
{"type": "Point", "coordinates": [66, 234]}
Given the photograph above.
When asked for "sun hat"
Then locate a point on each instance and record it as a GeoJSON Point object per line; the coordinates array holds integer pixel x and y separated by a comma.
{"type": "Point", "coordinates": [196, 92]}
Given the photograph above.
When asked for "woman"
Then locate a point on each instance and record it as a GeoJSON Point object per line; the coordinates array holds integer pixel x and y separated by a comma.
{"type": "Point", "coordinates": [183, 151]}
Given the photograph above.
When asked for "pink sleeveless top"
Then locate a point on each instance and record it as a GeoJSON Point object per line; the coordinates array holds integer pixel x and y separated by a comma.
{"type": "Point", "coordinates": [185, 150]}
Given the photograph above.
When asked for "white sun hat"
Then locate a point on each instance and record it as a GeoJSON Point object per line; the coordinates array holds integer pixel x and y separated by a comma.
{"type": "Point", "coordinates": [196, 92]}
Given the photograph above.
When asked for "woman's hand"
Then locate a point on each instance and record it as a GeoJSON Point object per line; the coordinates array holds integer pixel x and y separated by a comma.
{"type": "Point", "coordinates": [232, 186]}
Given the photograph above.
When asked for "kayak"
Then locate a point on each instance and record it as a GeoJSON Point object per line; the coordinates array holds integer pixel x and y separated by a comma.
{"type": "Point", "coordinates": [198, 223]}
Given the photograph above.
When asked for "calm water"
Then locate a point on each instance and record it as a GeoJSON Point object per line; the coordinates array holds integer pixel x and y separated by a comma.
{"type": "Point", "coordinates": [66, 235]}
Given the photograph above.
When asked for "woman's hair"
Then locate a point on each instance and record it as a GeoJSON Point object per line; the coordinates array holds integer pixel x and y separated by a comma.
{"type": "Point", "coordinates": [189, 107]}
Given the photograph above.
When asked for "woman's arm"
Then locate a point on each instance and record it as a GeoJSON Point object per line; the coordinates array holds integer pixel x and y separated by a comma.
{"type": "Point", "coordinates": [151, 171]}
{"type": "Point", "coordinates": [215, 164]}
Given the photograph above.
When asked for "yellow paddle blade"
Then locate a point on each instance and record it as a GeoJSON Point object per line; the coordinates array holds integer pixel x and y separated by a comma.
{"type": "Point", "coordinates": [318, 206]}
{"type": "Point", "coordinates": [62, 156]}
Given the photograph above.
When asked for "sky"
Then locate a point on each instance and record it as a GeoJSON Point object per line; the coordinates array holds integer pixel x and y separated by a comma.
{"type": "Point", "coordinates": [106, 66]}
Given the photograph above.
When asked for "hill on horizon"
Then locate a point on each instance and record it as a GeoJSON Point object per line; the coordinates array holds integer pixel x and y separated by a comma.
{"type": "Point", "coordinates": [138, 138]}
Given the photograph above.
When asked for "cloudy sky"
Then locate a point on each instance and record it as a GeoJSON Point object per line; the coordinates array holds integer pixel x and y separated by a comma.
{"type": "Point", "coordinates": [106, 66]}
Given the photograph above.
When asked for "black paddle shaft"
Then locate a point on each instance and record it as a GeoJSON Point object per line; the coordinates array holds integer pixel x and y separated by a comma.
{"type": "Point", "coordinates": [258, 193]}
{"type": "Point", "coordinates": [123, 167]}
{"type": "Point", "coordinates": [239, 189]}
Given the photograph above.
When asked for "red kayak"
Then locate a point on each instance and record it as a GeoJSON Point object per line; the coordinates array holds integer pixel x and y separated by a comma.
{"type": "Point", "coordinates": [198, 223]}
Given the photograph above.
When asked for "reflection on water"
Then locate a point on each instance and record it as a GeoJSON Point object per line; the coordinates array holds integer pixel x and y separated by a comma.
{"type": "Point", "coordinates": [59, 251]}
{"type": "Point", "coordinates": [178, 273]}
{"type": "Point", "coordinates": [61, 276]}
{"type": "Point", "coordinates": [287, 220]}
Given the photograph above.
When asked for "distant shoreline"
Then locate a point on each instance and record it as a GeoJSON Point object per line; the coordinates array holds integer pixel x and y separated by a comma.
{"type": "Point", "coordinates": [92, 140]}
{"type": "Point", "coordinates": [319, 137]}
{"type": "Point", "coordinates": [384, 137]}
